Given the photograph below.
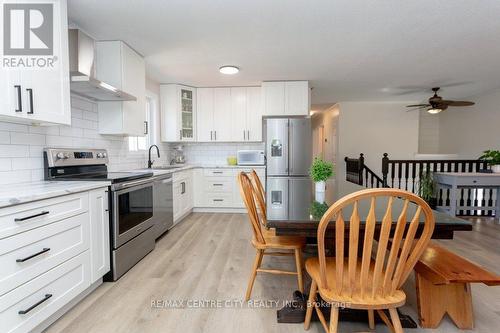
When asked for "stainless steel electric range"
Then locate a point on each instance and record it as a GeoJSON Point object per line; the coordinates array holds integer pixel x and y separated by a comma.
{"type": "Point", "coordinates": [130, 199]}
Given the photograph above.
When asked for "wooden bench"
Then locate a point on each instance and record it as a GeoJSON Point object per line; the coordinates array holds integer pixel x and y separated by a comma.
{"type": "Point", "coordinates": [443, 286]}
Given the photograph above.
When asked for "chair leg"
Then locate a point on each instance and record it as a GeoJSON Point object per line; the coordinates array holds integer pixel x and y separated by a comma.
{"type": "Point", "coordinates": [371, 319]}
{"type": "Point", "coordinates": [395, 320]}
{"type": "Point", "coordinates": [256, 265]}
{"type": "Point", "coordinates": [298, 263]}
{"type": "Point", "coordinates": [334, 319]}
{"type": "Point", "coordinates": [310, 304]}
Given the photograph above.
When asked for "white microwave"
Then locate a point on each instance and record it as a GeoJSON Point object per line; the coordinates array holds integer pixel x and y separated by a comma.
{"type": "Point", "coordinates": [250, 157]}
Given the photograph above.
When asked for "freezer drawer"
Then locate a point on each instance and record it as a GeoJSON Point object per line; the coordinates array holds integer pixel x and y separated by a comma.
{"type": "Point", "coordinates": [277, 198]}
{"type": "Point", "coordinates": [299, 197]}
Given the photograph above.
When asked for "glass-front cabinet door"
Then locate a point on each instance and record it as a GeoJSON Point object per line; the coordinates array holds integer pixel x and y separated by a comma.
{"type": "Point", "coordinates": [186, 132]}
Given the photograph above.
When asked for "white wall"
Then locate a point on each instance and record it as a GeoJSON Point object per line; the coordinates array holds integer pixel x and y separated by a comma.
{"type": "Point", "coordinates": [374, 128]}
{"type": "Point", "coordinates": [467, 131]}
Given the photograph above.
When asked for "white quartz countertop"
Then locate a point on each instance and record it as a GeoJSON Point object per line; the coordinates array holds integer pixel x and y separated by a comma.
{"type": "Point", "coordinates": [157, 172]}
{"type": "Point", "coordinates": [15, 194]}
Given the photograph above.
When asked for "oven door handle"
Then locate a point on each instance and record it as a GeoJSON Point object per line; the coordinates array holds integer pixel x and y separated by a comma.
{"type": "Point", "coordinates": [121, 186]}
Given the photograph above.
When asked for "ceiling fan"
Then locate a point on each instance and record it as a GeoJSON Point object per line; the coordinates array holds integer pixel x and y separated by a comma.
{"type": "Point", "coordinates": [437, 104]}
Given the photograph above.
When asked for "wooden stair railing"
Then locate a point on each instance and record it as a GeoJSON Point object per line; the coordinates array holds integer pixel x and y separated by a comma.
{"type": "Point", "coordinates": [405, 175]}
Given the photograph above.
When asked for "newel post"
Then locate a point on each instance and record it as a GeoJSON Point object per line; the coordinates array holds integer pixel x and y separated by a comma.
{"type": "Point", "coordinates": [361, 166]}
{"type": "Point", "coordinates": [385, 169]}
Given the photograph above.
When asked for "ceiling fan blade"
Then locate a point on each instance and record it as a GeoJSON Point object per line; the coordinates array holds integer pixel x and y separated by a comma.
{"type": "Point", "coordinates": [418, 106]}
{"type": "Point", "coordinates": [457, 103]}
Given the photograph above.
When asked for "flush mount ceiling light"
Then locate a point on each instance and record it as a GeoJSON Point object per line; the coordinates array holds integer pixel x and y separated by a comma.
{"type": "Point", "coordinates": [434, 110]}
{"type": "Point", "coordinates": [229, 70]}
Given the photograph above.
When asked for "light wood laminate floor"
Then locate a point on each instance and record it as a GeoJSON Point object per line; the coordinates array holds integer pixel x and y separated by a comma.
{"type": "Point", "coordinates": [208, 256]}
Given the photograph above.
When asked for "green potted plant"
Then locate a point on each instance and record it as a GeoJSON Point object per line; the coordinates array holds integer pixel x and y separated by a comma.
{"type": "Point", "coordinates": [319, 172]}
{"type": "Point", "coordinates": [427, 188]}
{"type": "Point", "coordinates": [493, 159]}
{"type": "Point", "coordinates": [318, 209]}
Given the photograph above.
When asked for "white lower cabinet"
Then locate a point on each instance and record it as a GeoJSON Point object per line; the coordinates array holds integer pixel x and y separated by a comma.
{"type": "Point", "coordinates": [51, 251]}
{"type": "Point", "coordinates": [99, 234]}
{"type": "Point", "coordinates": [182, 194]}
{"type": "Point", "coordinates": [218, 187]}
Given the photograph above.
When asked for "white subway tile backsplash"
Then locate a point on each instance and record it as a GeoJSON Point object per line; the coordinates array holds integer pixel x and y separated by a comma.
{"type": "Point", "coordinates": [27, 138]}
{"type": "Point", "coordinates": [13, 127]}
{"type": "Point", "coordinates": [21, 146]}
{"type": "Point", "coordinates": [4, 137]}
{"type": "Point", "coordinates": [14, 151]}
{"type": "Point", "coordinates": [5, 164]}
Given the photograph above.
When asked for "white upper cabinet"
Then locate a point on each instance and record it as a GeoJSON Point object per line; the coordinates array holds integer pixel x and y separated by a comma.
{"type": "Point", "coordinates": [37, 95]}
{"type": "Point", "coordinates": [286, 98]}
{"type": "Point", "coordinates": [222, 114]}
{"type": "Point", "coordinates": [205, 114]}
{"type": "Point", "coordinates": [246, 108]}
{"type": "Point", "coordinates": [239, 114]}
{"type": "Point", "coordinates": [178, 113]}
{"type": "Point", "coordinates": [122, 67]}
{"type": "Point", "coordinates": [254, 114]}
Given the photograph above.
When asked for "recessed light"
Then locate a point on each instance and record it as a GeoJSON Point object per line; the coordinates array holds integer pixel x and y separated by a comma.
{"type": "Point", "coordinates": [229, 70]}
{"type": "Point", "coordinates": [434, 110]}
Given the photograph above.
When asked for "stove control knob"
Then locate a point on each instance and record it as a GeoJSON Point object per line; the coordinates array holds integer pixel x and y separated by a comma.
{"type": "Point", "coordinates": [99, 155]}
{"type": "Point", "coordinates": [104, 155]}
{"type": "Point", "coordinates": [62, 156]}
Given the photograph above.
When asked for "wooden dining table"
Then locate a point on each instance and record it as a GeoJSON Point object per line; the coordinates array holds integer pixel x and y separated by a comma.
{"type": "Point", "coordinates": [304, 219]}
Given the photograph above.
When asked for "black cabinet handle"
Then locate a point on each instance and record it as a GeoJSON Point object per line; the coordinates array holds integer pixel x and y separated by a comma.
{"type": "Point", "coordinates": [47, 296]}
{"type": "Point", "coordinates": [217, 172]}
{"type": "Point", "coordinates": [19, 99]}
{"type": "Point", "coordinates": [217, 184]}
{"type": "Point", "coordinates": [146, 127]}
{"type": "Point", "coordinates": [183, 187]}
{"type": "Point", "coordinates": [30, 94]}
{"type": "Point", "coordinates": [180, 134]}
{"type": "Point", "coordinates": [218, 200]}
{"type": "Point", "coordinates": [45, 249]}
{"type": "Point", "coordinates": [20, 219]}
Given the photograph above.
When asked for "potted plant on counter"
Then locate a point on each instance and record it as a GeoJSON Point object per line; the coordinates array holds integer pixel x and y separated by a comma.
{"type": "Point", "coordinates": [493, 159]}
{"type": "Point", "coordinates": [320, 171]}
{"type": "Point", "coordinates": [427, 188]}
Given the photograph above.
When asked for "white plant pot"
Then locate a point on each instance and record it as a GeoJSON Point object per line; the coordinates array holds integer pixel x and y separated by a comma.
{"type": "Point", "coordinates": [320, 186]}
{"type": "Point", "coordinates": [495, 168]}
{"type": "Point", "coordinates": [319, 197]}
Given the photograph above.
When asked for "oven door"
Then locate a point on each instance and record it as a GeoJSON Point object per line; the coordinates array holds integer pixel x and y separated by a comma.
{"type": "Point", "coordinates": [132, 211]}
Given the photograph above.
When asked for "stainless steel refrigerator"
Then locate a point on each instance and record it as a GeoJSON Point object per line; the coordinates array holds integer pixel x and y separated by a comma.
{"type": "Point", "coordinates": [288, 158]}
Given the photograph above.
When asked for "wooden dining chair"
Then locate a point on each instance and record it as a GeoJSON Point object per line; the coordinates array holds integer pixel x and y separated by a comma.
{"type": "Point", "coordinates": [268, 244]}
{"type": "Point", "coordinates": [360, 281]}
{"type": "Point", "coordinates": [260, 198]}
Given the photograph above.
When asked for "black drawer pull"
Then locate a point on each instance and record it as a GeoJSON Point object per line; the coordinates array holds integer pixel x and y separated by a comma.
{"type": "Point", "coordinates": [45, 249]}
{"type": "Point", "coordinates": [20, 219]}
{"type": "Point", "coordinates": [47, 296]}
{"type": "Point", "coordinates": [218, 184]}
{"type": "Point", "coordinates": [217, 172]}
{"type": "Point", "coordinates": [30, 94]}
{"type": "Point", "coordinates": [218, 200]}
{"type": "Point", "coordinates": [19, 99]}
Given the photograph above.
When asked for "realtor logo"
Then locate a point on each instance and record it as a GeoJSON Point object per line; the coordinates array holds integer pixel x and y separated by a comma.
{"type": "Point", "coordinates": [28, 29]}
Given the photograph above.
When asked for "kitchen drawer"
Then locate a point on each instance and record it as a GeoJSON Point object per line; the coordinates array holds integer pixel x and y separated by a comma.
{"type": "Point", "coordinates": [218, 172]}
{"type": "Point", "coordinates": [219, 200]}
{"type": "Point", "coordinates": [62, 284]}
{"type": "Point", "coordinates": [223, 185]}
{"type": "Point", "coordinates": [24, 217]}
{"type": "Point", "coordinates": [181, 175]}
{"type": "Point", "coordinates": [55, 243]}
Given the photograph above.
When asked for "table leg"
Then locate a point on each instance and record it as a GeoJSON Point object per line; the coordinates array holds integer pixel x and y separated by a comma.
{"type": "Point", "coordinates": [453, 200]}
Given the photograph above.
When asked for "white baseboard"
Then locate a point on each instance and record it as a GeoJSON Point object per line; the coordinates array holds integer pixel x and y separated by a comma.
{"type": "Point", "coordinates": [218, 210]}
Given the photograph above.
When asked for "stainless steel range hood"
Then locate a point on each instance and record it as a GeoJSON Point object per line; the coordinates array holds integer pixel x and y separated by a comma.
{"type": "Point", "coordinates": [83, 81]}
